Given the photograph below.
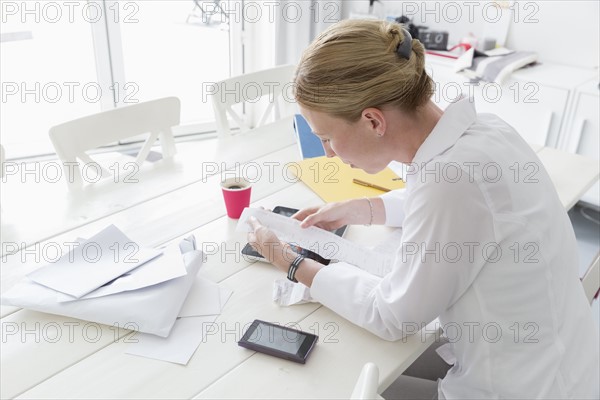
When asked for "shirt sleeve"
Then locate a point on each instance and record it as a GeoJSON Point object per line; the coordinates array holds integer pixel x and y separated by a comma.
{"type": "Point", "coordinates": [393, 203]}
{"type": "Point", "coordinates": [446, 225]}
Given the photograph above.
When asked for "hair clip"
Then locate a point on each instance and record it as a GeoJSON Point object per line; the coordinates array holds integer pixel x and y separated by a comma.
{"type": "Point", "coordinates": [405, 48]}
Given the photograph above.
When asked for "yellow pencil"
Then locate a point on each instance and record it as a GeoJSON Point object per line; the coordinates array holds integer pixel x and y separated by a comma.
{"type": "Point", "coordinates": [368, 184]}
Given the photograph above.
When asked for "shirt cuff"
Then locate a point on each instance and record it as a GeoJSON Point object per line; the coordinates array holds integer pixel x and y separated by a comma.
{"type": "Point", "coordinates": [344, 289]}
{"type": "Point", "coordinates": [393, 202]}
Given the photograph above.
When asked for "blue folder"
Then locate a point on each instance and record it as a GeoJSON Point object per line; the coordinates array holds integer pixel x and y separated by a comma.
{"type": "Point", "coordinates": [310, 145]}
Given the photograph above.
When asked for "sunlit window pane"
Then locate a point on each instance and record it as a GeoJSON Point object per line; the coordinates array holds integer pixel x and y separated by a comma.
{"type": "Point", "coordinates": [171, 50]}
{"type": "Point", "coordinates": [47, 70]}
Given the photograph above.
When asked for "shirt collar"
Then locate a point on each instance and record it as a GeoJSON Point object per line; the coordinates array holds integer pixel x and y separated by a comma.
{"type": "Point", "coordinates": [455, 120]}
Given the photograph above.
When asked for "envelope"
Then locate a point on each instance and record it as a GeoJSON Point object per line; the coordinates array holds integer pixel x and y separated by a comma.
{"type": "Point", "coordinates": [100, 259]}
{"type": "Point", "coordinates": [165, 267]}
{"type": "Point", "coordinates": [152, 309]}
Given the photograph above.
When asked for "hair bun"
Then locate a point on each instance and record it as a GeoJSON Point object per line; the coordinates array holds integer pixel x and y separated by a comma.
{"type": "Point", "coordinates": [329, 78]}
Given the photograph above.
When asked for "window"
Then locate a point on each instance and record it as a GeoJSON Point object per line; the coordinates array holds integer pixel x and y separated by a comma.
{"type": "Point", "coordinates": [48, 74]}
{"type": "Point", "coordinates": [64, 60]}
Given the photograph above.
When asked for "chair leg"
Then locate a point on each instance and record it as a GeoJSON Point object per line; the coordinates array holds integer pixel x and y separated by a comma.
{"type": "Point", "coordinates": [167, 143]}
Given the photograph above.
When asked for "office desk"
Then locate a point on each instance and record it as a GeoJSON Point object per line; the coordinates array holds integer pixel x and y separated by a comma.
{"type": "Point", "coordinates": [572, 174]}
{"type": "Point", "coordinates": [65, 358]}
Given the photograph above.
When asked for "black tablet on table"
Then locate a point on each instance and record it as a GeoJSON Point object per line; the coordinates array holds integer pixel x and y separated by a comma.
{"type": "Point", "coordinates": [279, 341]}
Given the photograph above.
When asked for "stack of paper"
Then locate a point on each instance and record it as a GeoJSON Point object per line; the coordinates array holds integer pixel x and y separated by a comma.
{"type": "Point", "coordinates": [112, 280]}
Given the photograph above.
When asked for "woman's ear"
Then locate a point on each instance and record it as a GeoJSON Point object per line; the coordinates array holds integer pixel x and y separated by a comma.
{"type": "Point", "coordinates": [375, 121]}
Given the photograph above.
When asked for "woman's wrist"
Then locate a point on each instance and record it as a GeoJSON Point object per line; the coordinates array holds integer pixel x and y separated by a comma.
{"type": "Point", "coordinates": [305, 271]}
{"type": "Point", "coordinates": [367, 211]}
{"type": "Point", "coordinates": [361, 211]}
{"type": "Point", "coordinates": [284, 258]}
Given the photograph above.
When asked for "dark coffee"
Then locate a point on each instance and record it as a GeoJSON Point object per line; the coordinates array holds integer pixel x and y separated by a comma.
{"type": "Point", "coordinates": [235, 187]}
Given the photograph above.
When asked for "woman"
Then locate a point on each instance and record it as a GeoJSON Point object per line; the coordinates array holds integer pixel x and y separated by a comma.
{"type": "Point", "coordinates": [486, 247]}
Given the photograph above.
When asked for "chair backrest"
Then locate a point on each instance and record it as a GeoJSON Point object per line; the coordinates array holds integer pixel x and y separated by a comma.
{"type": "Point", "coordinates": [367, 384]}
{"type": "Point", "coordinates": [73, 139]}
{"type": "Point", "coordinates": [250, 88]}
{"type": "Point", "coordinates": [591, 280]}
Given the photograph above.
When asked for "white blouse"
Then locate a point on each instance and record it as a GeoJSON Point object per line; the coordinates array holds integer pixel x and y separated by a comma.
{"type": "Point", "coordinates": [488, 247]}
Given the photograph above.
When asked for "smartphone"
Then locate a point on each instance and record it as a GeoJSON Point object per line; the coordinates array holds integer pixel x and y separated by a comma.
{"type": "Point", "coordinates": [279, 341]}
{"type": "Point", "coordinates": [249, 252]}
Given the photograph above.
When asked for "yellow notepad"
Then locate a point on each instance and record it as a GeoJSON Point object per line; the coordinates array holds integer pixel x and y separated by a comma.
{"type": "Point", "coordinates": [332, 180]}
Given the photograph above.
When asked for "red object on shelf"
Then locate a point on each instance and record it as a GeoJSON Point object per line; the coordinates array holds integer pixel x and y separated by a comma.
{"type": "Point", "coordinates": [441, 55]}
{"type": "Point", "coordinates": [464, 46]}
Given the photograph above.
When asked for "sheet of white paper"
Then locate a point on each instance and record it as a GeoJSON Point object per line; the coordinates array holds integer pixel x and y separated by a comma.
{"type": "Point", "coordinates": [93, 263]}
{"type": "Point", "coordinates": [465, 60]}
{"type": "Point", "coordinates": [179, 346]}
{"type": "Point", "coordinates": [391, 244]}
{"type": "Point", "coordinates": [322, 242]}
{"type": "Point", "coordinates": [389, 247]}
{"type": "Point", "coordinates": [204, 299]}
{"type": "Point", "coordinates": [287, 293]}
{"type": "Point", "coordinates": [165, 267]}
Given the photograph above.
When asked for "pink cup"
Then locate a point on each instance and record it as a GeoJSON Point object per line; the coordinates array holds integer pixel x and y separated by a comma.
{"type": "Point", "coordinates": [236, 193]}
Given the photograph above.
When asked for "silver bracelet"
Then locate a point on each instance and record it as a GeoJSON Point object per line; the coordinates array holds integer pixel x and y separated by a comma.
{"type": "Point", "coordinates": [371, 209]}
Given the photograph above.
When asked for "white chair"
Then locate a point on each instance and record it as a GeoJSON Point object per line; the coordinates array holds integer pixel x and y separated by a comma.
{"type": "Point", "coordinates": [73, 139]}
{"type": "Point", "coordinates": [591, 280]}
{"type": "Point", "coordinates": [249, 89]}
{"type": "Point", "coordinates": [367, 384]}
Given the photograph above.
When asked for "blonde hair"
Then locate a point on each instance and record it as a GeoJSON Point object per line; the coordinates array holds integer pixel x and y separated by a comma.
{"type": "Point", "coordinates": [354, 65]}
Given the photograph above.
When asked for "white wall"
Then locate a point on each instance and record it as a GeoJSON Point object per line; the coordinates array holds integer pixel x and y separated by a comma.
{"type": "Point", "coordinates": [279, 31]}
{"type": "Point", "coordinates": [563, 32]}
{"type": "Point", "coordinates": [567, 33]}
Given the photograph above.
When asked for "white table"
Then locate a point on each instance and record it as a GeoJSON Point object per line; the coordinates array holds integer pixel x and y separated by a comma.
{"type": "Point", "coordinates": [69, 366]}
{"type": "Point", "coordinates": [36, 209]}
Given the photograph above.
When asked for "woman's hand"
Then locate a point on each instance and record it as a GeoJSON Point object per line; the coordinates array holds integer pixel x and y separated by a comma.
{"type": "Point", "coordinates": [335, 215]}
{"type": "Point", "coordinates": [263, 240]}
{"type": "Point", "coordinates": [280, 254]}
